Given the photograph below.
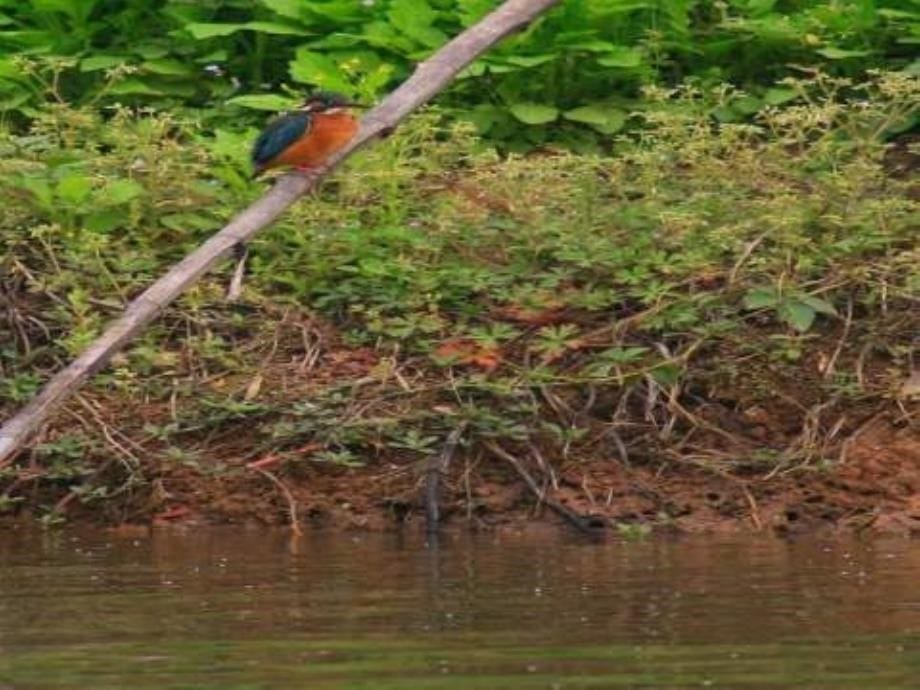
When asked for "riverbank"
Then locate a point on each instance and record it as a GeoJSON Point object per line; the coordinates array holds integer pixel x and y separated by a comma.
{"type": "Point", "coordinates": [711, 328]}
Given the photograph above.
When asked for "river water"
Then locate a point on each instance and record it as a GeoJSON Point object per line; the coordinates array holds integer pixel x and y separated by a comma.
{"type": "Point", "coordinates": [243, 609]}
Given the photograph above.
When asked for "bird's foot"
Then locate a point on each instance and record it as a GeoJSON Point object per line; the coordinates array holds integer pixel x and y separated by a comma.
{"type": "Point", "coordinates": [241, 253]}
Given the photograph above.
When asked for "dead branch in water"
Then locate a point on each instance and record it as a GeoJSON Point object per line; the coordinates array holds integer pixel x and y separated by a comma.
{"type": "Point", "coordinates": [580, 522]}
{"type": "Point", "coordinates": [435, 469]}
{"type": "Point", "coordinates": [430, 77]}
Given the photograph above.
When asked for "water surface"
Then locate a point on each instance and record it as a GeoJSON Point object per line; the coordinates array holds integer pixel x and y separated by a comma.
{"type": "Point", "coordinates": [234, 609]}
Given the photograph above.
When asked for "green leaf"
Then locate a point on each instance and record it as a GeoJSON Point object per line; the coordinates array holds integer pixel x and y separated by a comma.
{"type": "Point", "coordinates": [604, 118]}
{"type": "Point", "coordinates": [778, 96]}
{"type": "Point", "coordinates": [534, 113]}
{"type": "Point", "coordinates": [591, 46]}
{"type": "Point", "coordinates": [169, 68]}
{"type": "Point", "coordinates": [122, 191]}
{"type": "Point", "coordinates": [134, 87]}
{"type": "Point", "coordinates": [295, 9]}
{"type": "Point", "coordinates": [313, 68]}
{"type": "Point", "coordinates": [95, 63]}
{"type": "Point", "coordinates": [834, 53]}
{"type": "Point", "coordinates": [797, 314]}
{"type": "Point", "coordinates": [414, 18]}
{"type": "Point", "coordinates": [277, 28]}
{"type": "Point", "coordinates": [205, 30]}
{"type": "Point", "coordinates": [74, 189]}
{"type": "Point", "coordinates": [623, 355]}
{"type": "Point", "coordinates": [529, 60]}
{"type": "Point", "coordinates": [264, 101]}
{"type": "Point", "coordinates": [104, 221]}
{"type": "Point", "coordinates": [623, 56]}
{"type": "Point", "coordinates": [747, 105]}
{"type": "Point", "coordinates": [819, 305]}
{"type": "Point", "coordinates": [760, 298]}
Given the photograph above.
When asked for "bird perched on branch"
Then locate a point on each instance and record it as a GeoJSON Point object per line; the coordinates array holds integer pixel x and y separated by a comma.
{"type": "Point", "coordinates": [305, 138]}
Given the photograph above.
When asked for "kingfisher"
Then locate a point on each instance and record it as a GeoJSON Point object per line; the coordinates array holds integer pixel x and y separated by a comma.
{"type": "Point", "coordinates": [305, 138]}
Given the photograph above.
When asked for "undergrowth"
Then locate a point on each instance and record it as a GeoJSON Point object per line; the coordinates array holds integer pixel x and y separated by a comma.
{"type": "Point", "coordinates": [738, 296]}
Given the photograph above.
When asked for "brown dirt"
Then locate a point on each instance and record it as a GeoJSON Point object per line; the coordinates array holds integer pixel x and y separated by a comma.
{"type": "Point", "coordinates": [876, 487]}
{"type": "Point", "coordinates": [873, 483]}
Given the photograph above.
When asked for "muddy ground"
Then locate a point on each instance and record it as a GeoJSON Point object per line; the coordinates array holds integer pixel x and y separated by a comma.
{"type": "Point", "coordinates": [871, 483]}
{"type": "Point", "coordinates": [876, 488]}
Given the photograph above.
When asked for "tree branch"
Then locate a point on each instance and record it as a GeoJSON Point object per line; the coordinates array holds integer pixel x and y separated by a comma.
{"type": "Point", "coordinates": [430, 77]}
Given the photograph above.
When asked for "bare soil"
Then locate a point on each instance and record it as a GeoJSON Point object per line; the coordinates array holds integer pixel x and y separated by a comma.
{"type": "Point", "coordinates": [873, 484]}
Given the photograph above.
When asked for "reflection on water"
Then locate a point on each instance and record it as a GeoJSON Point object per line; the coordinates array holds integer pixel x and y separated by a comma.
{"type": "Point", "coordinates": [220, 608]}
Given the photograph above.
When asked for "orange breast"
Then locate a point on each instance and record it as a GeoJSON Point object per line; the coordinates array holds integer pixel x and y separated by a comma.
{"type": "Point", "coordinates": [327, 135]}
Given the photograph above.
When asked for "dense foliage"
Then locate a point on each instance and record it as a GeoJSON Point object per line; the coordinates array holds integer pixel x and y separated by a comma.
{"type": "Point", "coordinates": [582, 304]}
{"type": "Point", "coordinates": [573, 76]}
{"type": "Point", "coordinates": [634, 296]}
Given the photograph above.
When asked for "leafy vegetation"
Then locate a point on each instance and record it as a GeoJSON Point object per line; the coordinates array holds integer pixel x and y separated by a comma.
{"type": "Point", "coordinates": [575, 77]}
{"type": "Point", "coordinates": [638, 305]}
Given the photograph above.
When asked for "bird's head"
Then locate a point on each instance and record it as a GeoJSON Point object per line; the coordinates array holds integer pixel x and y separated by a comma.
{"type": "Point", "coordinates": [328, 102]}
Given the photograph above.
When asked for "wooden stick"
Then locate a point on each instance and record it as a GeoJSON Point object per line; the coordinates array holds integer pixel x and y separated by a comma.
{"type": "Point", "coordinates": [430, 77]}
{"type": "Point", "coordinates": [436, 467]}
{"type": "Point", "coordinates": [581, 523]}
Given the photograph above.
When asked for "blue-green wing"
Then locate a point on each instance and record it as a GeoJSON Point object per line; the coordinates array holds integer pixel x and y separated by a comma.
{"type": "Point", "coordinates": [277, 136]}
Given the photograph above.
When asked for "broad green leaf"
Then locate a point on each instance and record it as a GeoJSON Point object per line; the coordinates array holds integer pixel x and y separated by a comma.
{"type": "Point", "coordinates": [264, 101]}
{"type": "Point", "coordinates": [471, 11]}
{"type": "Point", "coordinates": [105, 220]}
{"type": "Point", "coordinates": [485, 116]}
{"type": "Point", "coordinates": [100, 62]}
{"type": "Point", "coordinates": [797, 314]}
{"type": "Point", "coordinates": [277, 28]}
{"type": "Point", "coordinates": [204, 30]}
{"type": "Point", "coordinates": [9, 70]}
{"type": "Point", "coordinates": [295, 9]}
{"type": "Point", "coordinates": [74, 189]}
{"type": "Point", "coordinates": [834, 53]}
{"type": "Point", "coordinates": [623, 355]}
{"type": "Point", "coordinates": [534, 113]}
{"type": "Point", "coordinates": [760, 298]}
{"type": "Point", "coordinates": [592, 46]}
{"type": "Point", "coordinates": [134, 87]}
{"type": "Point", "coordinates": [778, 96]}
{"type": "Point", "coordinates": [414, 19]}
{"type": "Point", "coordinates": [383, 35]}
{"type": "Point", "coordinates": [819, 305]}
{"type": "Point", "coordinates": [151, 51]}
{"type": "Point", "coordinates": [604, 118]}
{"type": "Point", "coordinates": [747, 105]}
{"type": "Point", "coordinates": [623, 56]}
{"type": "Point", "coordinates": [666, 374]}
{"type": "Point", "coordinates": [313, 68]}
{"type": "Point", "coordinates": [529, 60]}
{"type": "Point", "coordinates": [169, 68]}
{"type": "Point", "coordinates": [122, 191]}
{"type": "Point", "coordinates": [411, 14]}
